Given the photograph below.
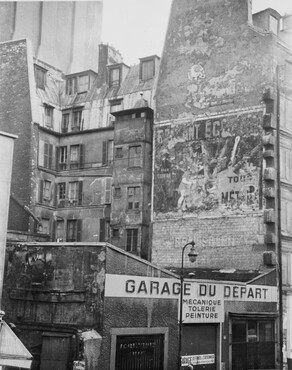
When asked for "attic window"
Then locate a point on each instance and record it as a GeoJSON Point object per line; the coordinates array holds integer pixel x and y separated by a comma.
{"type": "Point", "coordinates": [147, 69]}
{"type": "Point", "coordinates": [40, 77]}
{"type": "Point", "coordinates": [114, 77]}
{"type": "Point", "coordinates": [273, 24]}
{"type": "Point", "coordinates": [71, 86]}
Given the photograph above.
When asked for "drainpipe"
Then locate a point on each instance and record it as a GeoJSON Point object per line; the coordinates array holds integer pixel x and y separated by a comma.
{"type": "Point", "coordinates": [279, 249]}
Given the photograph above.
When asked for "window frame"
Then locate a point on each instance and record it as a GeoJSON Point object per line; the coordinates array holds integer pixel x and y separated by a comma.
{"type": "Point", "coordinates": [76, 120]}
{"type": "Point", "coordinates": [40, 77]}
{"type": "Point", "coordinates": [135, 198]}
{"type": "Point", "coordinates": [65, 122]}
{"type": "Point", "coordinates": [71, 85]}
{"type": "Point", "coordinates": [132, 236]}
{"type": "Point", "coordinates": [49, 118]}
{"type": "Point", "coordinates": [47, 190]}
{"type": "Point", "coordinates": [135, 161]}
{"type": "Point", "coordinates": [113, 80]}
{"type": "Point", "coordinates": [145, 74]}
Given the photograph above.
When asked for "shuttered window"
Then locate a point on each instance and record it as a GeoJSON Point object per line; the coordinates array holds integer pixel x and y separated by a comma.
{"type": "Point", "coordinates": [48, 155]}
{"type": "Point", "coordinates": [108, 190]}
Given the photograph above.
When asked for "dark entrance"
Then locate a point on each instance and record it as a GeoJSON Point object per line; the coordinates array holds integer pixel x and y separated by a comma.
{"type": "Point", "coordinates": [56, 352]}
{"type": "Point", "coordinates": [199, 344]}
{"type": "Point", "coordinates": [253, 344]}
{"type": "Point", "coordinates": [140, 352]}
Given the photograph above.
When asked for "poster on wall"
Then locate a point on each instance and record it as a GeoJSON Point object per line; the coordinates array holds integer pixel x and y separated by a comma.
{"type": "Point", "coordinates": [208, 166]}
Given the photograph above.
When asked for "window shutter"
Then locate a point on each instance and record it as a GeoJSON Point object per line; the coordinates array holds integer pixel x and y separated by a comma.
{"type": "Point", "coordinates": [80, 189]}
{"type": "Point", "coordinates": [102, 230]}
{"type": "Point", "coordinates": [108, 188]}
{"type": "Point", "coordinates": [46, 155]}
{"type": "Point", "coordinates": [81, 156]}
{"type": "Point", "coordinates": [56, 195]}
{"type": "Point", "coordinates": [41, 191]}
{"type": "Point", "coordinates": [135, 240]}
{"type": "Point", "coordinates": [54, 223]}
{"type": "Point", "coordinates": [79, 230]}
{"type": "Point", "coordinates": [104, 153]}
{"type": "Point", "coordinates": [50, 155]}
{"type": "Point", "coordinates": [57, 157]}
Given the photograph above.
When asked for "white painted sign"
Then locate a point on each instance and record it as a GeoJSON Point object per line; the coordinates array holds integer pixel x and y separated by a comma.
{"type": "Point", "coordinates": [202, 302]}
{"type": "Point", "coordinates": [198, 359]}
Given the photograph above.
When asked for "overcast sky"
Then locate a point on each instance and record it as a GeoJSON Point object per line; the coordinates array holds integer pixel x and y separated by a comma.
{"type": "Point", "coordinates": [137, 27]}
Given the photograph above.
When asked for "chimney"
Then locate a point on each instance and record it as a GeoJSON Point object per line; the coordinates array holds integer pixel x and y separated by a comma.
{"type": "Point", "coordinates": [102, 63]}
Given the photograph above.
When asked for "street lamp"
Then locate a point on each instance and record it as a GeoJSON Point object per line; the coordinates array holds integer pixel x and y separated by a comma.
{"type": "Point", "coordinates": [192, 257]}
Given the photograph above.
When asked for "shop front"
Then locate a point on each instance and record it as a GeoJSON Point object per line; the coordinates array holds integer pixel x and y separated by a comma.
{"type": "Point", "coordinates": [225, 325]}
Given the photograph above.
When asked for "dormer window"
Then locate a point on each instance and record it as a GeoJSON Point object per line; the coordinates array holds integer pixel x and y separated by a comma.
{"type": "Point", "coordinates": [83, 83]}
{"type": "Point", "coordinates": [114, 77]}
{"type": "Point", "coordinates": [40, 77]}
{"type": "Point", "coordinates": [71, 86]}
{"type": "Point", "coordinates": [147, 69]}
{"type": "Point", "coordinates": [77, 84]}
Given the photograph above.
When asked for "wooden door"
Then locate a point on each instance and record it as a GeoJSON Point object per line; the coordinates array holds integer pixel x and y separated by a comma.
{"type": "Point", "coordinates": [56, 352]}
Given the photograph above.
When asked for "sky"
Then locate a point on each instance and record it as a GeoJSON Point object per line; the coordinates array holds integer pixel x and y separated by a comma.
{"type": "Point", "coordinates": [137, 27]}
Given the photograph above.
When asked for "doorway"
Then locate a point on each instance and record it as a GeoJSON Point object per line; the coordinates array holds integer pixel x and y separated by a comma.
{"type": "Point", "coordinates": [199, 346]}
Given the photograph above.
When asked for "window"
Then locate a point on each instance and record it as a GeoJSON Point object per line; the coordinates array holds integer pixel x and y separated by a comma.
{"type": "Point", "coordinates": [119, 152]}
{"type": "Point", "coordinates": [46, 190]}
{"type": "Point", "coordinates": [108, 190]}
{"type": "Point", "coordinates": [48, 155]}
{"type": "Point", "coordinates": [61, 192]}
{"type": "Point", "coordinates": [147, 69]}
{"type": "Point", "coordinates": [253, 344]}
{"type": "Point", "coordinates": [83, 83]}
{"type": "Point", "coordinates": [45, 228]}
{"type": "Point", "coordinates": [71, 86]}
{"type": "Point", "coordinates": [75, 193]}
{"type": "Point", "coordinates": [60, 230]}
{"type": "Point", "coordinates": [49, 111]}
{"type": "Point", "coordinates": [77, 120]}
{"type": "Point", "coordinates": [273, 24]}
{"type": "Point", "coordinates": [116, 233]}
{"type": "Point", "coordinates": [40, 77]}
{"type": "Point", "coordinates": [114, 77]}
{"type": "Point", "coordinates": [62, 157]}
{"type": "Point", "coordinates": [118, 192]}
{"type": "Point", "coordinates": [135, 156]}
{"type": "Point", "coordinates": [133, 197]}
{"type": "Point", "coordinates": [107, 152]}
{"type": "Point", "coordinates": [76, 156]}
{"type": "Point", "coordinates": [65, 122]}
{"type": "Point", "coordinates": [74, 228]}
{"type": "Point", "coordinates": [132, 240]}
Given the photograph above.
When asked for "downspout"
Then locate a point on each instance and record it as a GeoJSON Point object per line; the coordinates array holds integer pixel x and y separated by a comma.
{"type": "Point", "coordinates": [279, 241]}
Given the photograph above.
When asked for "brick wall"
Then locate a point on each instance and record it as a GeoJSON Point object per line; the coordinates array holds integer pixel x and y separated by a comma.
{"type": "Point", "coordinates": [227, 242]}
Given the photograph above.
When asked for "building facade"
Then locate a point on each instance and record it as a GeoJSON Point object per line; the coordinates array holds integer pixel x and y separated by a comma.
{"type": "Point", "coordinates": [221, 167]}
{"type": "Point", "coordinates": [71, 150]}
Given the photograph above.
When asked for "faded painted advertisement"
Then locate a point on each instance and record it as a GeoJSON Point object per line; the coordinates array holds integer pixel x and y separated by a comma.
{"type": "Point", "coordinates": [208, 166]}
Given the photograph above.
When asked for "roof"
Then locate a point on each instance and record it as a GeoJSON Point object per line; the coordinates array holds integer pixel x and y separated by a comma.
{"type": "Point", "coordinates": [12, 350]}
{"type": "Point", "coordinates": [242, 276]}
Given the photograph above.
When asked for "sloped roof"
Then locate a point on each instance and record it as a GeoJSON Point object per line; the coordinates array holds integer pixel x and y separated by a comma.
{"type": "Point", "coordinates": [12, 350]}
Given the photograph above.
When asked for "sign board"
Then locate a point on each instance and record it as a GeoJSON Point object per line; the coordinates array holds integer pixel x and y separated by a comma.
{"type": "Point", "coordinates": [202, 302]}
{"type": "Point", "coordinates": [198, 359]}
